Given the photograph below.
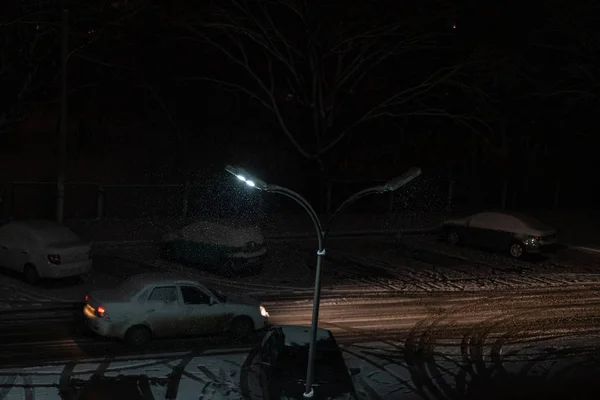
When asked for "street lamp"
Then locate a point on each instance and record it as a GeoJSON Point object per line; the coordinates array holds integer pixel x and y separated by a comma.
{"type": "Point", "coordinates": [390, 186]}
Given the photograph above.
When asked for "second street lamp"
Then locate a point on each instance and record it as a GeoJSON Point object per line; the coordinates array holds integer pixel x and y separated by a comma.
{"type": "Point", "coordinates": [390, 186]}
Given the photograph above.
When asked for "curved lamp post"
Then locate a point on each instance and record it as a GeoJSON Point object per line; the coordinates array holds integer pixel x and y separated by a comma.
{"type": "Point", "coordinates": [256, 183]}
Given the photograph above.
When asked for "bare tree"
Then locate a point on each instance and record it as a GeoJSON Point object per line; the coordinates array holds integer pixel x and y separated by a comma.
{"type": "Point", "coordinates": [334, 65]}
{"type": "Point", "coordinates": [25, 55]}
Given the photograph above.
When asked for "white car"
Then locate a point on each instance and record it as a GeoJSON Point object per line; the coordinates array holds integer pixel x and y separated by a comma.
{"type": "Point", "coordinates": [43, 249]}
{"type": "Point", "coordinates": [515, 233]}
{"type": "Point", "coordinates": [156, 305]}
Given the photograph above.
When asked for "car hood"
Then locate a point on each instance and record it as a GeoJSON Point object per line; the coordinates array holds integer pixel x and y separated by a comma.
{"type": "Point", "coordinates": [546, 231]}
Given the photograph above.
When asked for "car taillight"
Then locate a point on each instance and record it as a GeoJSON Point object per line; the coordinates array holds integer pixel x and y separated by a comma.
{"type": "Point", "coordinates": [101, 312]}
{"type": "Point", "coordinates": [54, 258]}
{"type": "Point", "coordinates": [87, 298]}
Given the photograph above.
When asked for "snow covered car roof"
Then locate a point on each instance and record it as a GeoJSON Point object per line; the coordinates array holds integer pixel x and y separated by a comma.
{"type": "Point", "coordinates": [46, 230]}
{"type": "Point", "coordinates": [223, 233]}
{"type": "Point", "coordinates": [506, 221]}
{"type": "Point", "coordinates": [158, 278]}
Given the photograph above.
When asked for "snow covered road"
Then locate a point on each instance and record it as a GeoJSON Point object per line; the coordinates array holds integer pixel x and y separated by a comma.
{"type": "Point", "coordinates": [421, 345]}
{"type": "Point", "coordinates": [353, 267]}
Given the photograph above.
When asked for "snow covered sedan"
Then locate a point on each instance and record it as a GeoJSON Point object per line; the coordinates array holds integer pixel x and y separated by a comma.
{"type": "Point", "coordinates": [43, 249]}
{"type": "Point", "coordinates": [157, 305]}
{"type": "Point", "coordinates": [216, 246]}
{"type": "Point", "coordinates": [284, 360]}
{"type": "Point", "coordinates": [514, 233]}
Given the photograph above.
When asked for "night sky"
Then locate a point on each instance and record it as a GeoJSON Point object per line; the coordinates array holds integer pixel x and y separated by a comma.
{"type": "Point", "coordinates": [482, 93]}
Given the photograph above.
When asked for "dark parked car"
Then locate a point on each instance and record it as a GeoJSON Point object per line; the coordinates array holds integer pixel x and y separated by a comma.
{"type": "Point", "coordinates": [220, 246]}
{"type": "Point", "coordinates": [284, 360]}
{"type": "Point", "coordinates": [514, 233]}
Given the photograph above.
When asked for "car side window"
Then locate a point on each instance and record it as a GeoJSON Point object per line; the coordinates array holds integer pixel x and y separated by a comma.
{"type": "Point", "coordinates": [483, 220]}
{"type": "Point", "coordinates": [164, 294]}
{"type": "Point", "coordinates": [193, 295]}
{"type": "Point", "coordinates": [142, 297]}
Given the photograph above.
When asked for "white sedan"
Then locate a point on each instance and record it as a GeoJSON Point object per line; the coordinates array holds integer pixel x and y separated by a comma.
{"type": "Point", "coordinates": [515, 233]}
{"type": "Point", "coordinates": [43, 249]}
{"type": "Point", "coordinates": [155, 305]}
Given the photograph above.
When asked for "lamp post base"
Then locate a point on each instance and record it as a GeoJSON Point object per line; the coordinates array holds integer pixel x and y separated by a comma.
{"type": "Point", "coordinates": [309, 395]}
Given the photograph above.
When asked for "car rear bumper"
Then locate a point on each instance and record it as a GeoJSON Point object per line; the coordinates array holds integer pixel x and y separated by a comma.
{"type": "Point", "coordinates": [98, 325]}
{"type": "Point", "coordinates": [66, 270]}
{"type": "Point", "coordinates": [541, 248]}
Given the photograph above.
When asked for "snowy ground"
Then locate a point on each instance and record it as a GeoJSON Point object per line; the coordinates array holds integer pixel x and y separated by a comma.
{"type": "Point", "coordinates": [188, 376]}
{"type": "Point", "coordinates": [388, 371]}
{"type": "Point", "coordinates": [410, 263]}
{"type": "Point", "coordinates": [354, 267]}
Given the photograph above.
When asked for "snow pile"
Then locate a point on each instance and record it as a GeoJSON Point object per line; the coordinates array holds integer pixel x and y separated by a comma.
{"type": "Point", "coordinates": [215, 376]}
{"type": "Point", "coordinates": [389, 370]}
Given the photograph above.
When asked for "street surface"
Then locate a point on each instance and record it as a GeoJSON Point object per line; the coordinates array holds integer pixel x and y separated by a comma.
{"type": "Point", "coordinates": [359, 267]}
{"type": "Point", "coordinates": [440, 321]}
{"type": "Point", "coordinates": [432, 337]}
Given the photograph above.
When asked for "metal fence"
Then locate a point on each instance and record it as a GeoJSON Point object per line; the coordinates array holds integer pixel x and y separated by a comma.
{"type": "Point", "coordinates": [90, 200]}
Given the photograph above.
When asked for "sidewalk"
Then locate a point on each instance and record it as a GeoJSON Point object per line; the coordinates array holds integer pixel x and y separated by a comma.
{"type": "Point", "coordinates": [575, 227]}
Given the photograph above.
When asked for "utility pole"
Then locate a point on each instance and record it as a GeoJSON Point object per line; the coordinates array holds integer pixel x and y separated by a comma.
{"type": "Point", "coordinates": [62, 134]}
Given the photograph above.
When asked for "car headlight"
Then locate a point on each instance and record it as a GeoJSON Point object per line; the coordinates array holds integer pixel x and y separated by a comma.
{"type": "Point", "coordinates": [264, 312]}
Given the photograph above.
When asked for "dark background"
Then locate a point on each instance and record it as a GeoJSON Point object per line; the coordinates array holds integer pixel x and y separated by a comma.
{"type": "Point", "coordinates": [499, 98]}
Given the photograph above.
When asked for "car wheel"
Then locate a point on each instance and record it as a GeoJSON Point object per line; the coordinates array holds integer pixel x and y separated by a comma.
{"type": "Point", "coordinates": [516, 250]}
{"type": "Point", "coordinates": [241, 328]}
{"type": "Point", "coordinates": [31, 275]}
{"type": "Point", "coordinates": [138, 336]}
{"type": "Point", "coordinates": [452, 237]}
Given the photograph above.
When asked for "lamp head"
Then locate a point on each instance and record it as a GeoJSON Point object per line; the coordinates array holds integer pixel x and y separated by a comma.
{"type": "Point", "coordinates": [396, 183]}
{"type": "Point", "coordinates": [244, 176]}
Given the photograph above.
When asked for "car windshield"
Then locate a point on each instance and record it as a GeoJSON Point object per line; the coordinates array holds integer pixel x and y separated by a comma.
{"type": "Point", "coordinates": [530, 222]}
{"type": "Point", "coordinates": [329, 364]}
{"type": "Point", "coordinates": [218, 294]}
{"type": "Point", "coordinates": [58, 235]}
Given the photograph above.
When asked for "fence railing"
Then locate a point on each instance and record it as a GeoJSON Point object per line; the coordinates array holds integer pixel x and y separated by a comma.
{"type": "Point", "coordinates": [92, 200]}
{"type": "Point", "coordinates": [98, 200]}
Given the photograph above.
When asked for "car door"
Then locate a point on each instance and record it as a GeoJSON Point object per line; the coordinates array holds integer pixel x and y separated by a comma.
{"type": "Point", "coordinates": [199, 311]}
{"type": "Point", "coordinates": [482, 229]}
{"type": "Point", "coordinates": [16, 254]}
{"type": "Point", "coordinates": [164, 311]}
{"type": "Point", "coordinates": [506, 229]}
{"type": "Point", "coordinates": [5, 244]}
